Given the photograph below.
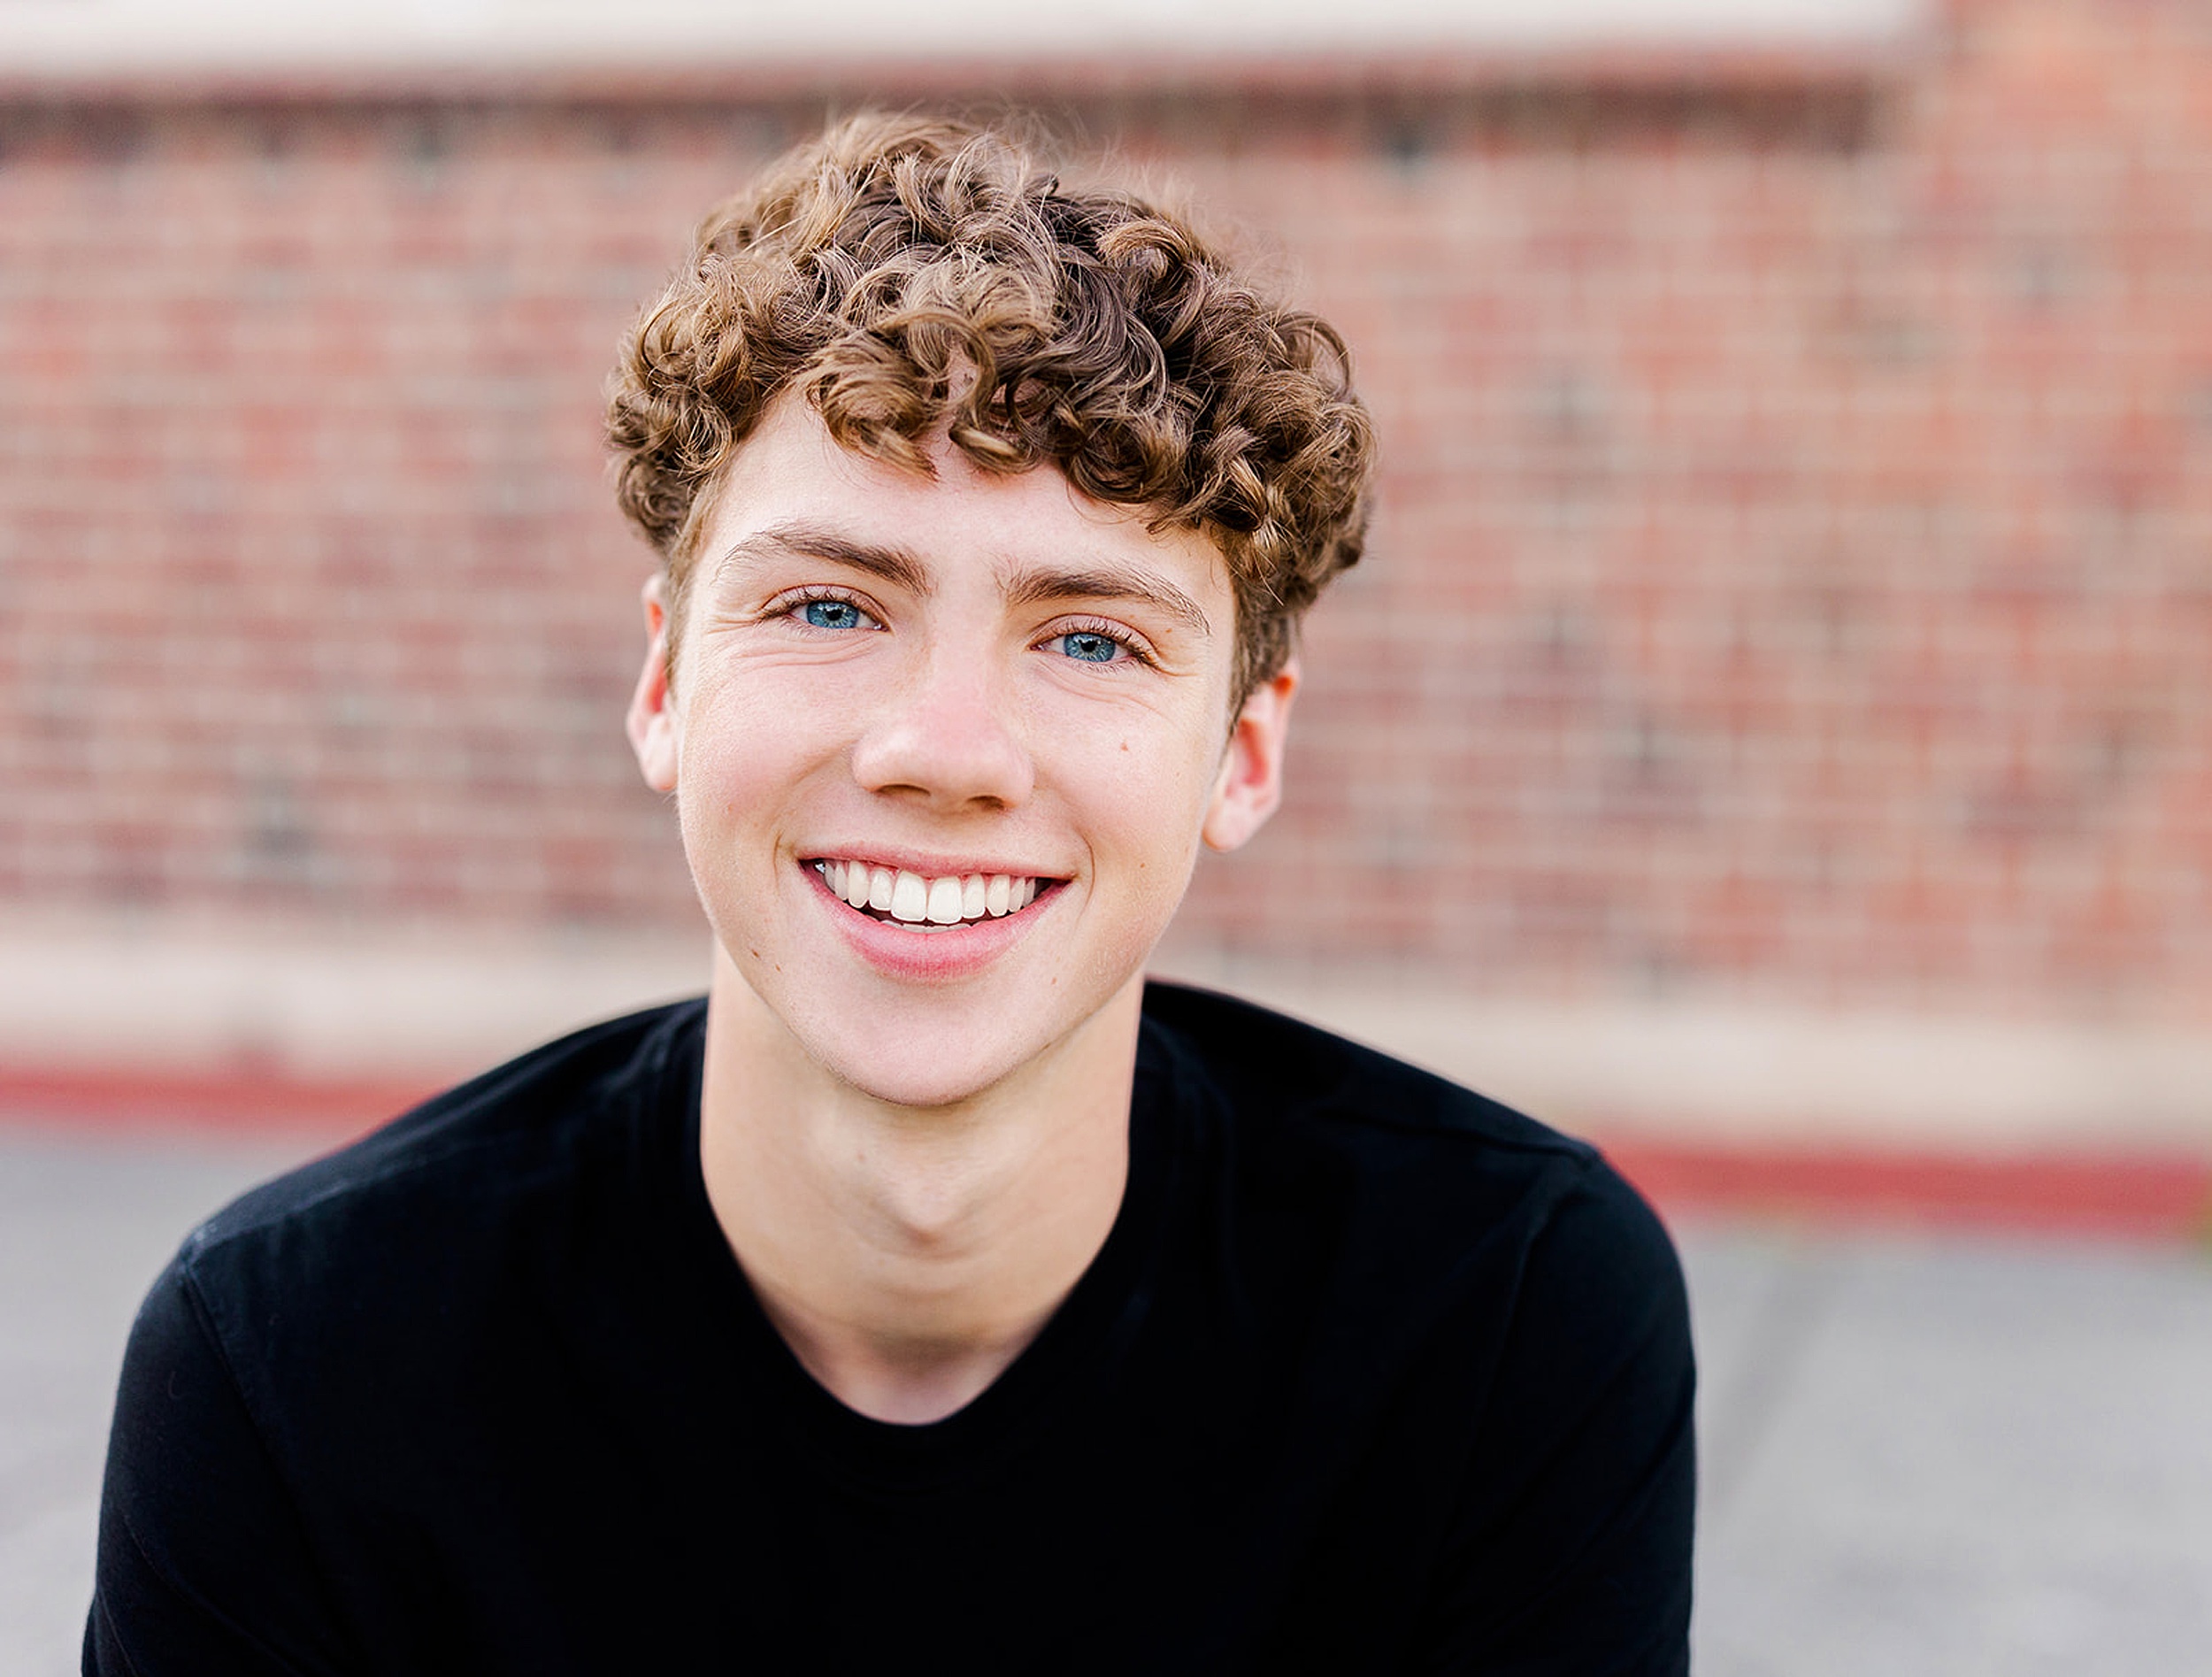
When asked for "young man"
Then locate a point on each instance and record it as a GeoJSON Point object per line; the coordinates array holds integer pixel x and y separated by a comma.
{"type": "Point", "coordinates": [935, 1295]}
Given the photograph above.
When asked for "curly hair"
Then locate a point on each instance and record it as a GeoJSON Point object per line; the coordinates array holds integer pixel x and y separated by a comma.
{"type": "Point", "coordinates": [911, 272]}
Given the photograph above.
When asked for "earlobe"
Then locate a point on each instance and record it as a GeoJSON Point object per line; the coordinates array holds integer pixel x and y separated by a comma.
{"type": "Point", "coordinates": [1250, 784]}
{"type": "Point", "coordinates": [653, 728]}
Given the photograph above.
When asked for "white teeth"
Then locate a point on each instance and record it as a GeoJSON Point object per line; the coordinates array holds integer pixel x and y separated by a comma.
{"type": "Point", "coordinates": [944, 900]}
{"type": "Point", "coordinates": [927, 904]}
{"type": "Point", "coordinates": [910, 898]}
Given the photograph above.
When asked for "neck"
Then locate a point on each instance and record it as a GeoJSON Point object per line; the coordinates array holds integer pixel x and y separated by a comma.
{"type": "Point", "coordinates": [908, 1255]}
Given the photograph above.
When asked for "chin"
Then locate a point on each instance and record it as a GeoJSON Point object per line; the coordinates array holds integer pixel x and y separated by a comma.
{"type": "Point", "coordinates": [916, 1074]}
{"type": "Point", "coordinates": [933, 1056]}
{"type": "Point", "coordinates": [923, 1045]}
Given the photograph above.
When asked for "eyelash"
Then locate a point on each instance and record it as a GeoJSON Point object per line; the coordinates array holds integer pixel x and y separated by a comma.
{"type": "Point", "coordinates": [791, 605]}
{"type": "Point", "coordinates": [1105, 631]}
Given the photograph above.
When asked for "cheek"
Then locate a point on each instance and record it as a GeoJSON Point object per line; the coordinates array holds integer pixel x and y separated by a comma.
{"type": "Point", "coordinates": [744, 755]}
{"type": "Point", "coordinates": [1146, 799]}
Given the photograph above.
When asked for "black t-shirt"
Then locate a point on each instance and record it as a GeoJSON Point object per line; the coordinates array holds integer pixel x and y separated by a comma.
{"type": "Point", "coordinates": [1371, 1375]}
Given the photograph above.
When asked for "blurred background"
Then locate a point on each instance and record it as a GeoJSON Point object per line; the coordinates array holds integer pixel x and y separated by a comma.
{"type": "Point", "coordinates": [1770, 735]}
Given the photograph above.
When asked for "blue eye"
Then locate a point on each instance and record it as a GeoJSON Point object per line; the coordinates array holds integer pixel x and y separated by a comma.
{"type": "Point", "coordinates": [1089, 648]}
{"type": "Point", "coordinates": [832, 614]}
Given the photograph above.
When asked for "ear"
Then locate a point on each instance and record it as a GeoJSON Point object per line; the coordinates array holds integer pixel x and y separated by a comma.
{"type": "Point", "coordinates": [1250, 784]}
{"type": "Point", "coordinates": [655, 734]}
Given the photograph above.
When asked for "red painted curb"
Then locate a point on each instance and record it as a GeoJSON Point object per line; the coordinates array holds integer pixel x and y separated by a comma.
{"type": "Point", "coordinates": [240, 1103]}
{"type": "Point", "coordinates": [2162, 1197]}
{"type": "Point", "coordinates": [2166, 1196]}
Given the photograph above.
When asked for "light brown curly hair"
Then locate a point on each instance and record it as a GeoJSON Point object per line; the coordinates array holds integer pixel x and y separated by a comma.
{"type": "Point", "coordinates": [879, 267]}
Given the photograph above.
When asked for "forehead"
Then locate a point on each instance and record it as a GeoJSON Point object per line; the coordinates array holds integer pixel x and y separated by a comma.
{"type": "Point", "coordinates": [964, 524]}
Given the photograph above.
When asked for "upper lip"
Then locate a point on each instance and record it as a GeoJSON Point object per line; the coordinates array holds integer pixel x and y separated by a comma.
{"type": "Point", "coordinates": [930, 866]}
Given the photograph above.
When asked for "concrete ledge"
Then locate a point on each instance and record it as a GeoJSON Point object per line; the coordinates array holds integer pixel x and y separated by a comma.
{"type": "Point", "coordinates": [96, 36]}
{"type": "Point", "coordinates": [1737, 1072]}
{"type": "Point", "coordinates": [405, 1006]}
{"type": "Point", "coordinates": [117, 1004]}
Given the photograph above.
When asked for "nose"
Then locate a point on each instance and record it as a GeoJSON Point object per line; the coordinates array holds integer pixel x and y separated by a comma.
{"type": "Point", "coordinates": [948, 738]}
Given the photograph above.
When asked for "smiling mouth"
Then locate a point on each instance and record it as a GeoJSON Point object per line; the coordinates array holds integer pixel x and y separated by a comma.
{"type": "Point", "coordinates": [918, 904]}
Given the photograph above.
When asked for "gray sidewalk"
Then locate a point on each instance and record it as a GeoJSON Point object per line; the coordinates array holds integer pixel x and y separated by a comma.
{"type": "Point", "coordinates": [1922, 1456]}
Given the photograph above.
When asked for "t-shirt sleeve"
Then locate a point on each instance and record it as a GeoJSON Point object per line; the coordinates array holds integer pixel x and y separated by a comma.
{"type": "Point", "coordinates": [203, 1567]}
{"type": "Point", "coordinates": [1571, 1549]}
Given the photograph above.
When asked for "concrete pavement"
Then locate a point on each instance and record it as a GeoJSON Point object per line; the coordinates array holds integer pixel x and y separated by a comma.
{"type": "Point", "coordinates": [1924, 1457]}
{"type": "Point", "coordinates": [1930, 1457]}
{"type": "Point", "coordinates": [84, 1228]}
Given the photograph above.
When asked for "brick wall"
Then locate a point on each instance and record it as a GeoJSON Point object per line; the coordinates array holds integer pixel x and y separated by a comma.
{"type": "Point", "coordinates": [1795, 572]}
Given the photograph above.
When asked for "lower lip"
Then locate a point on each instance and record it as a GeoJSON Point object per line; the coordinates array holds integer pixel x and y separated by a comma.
{"type": "Point", "coordinates": [939, 957]}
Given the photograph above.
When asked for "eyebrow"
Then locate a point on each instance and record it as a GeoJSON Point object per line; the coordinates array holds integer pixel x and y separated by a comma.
{"type": "Point", "coordinates": [1035, 585]}
{"type": "Point", "coordinates": [1026, 585]}
{"type": "Point", "coordinates": [892, 564]}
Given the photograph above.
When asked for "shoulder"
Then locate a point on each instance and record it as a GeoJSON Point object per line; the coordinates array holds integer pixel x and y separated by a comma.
{"type": "Point", "coordinates": [1255, 1054]}
{"type": "Point", "coordinates": [1470, 1295]}
{"type": "Point", "coordinates": [1431, 1184]}
{"type": "Point", "coordinates": [524, 1116]}
{"type": "Point", "coordinates": [434, 1206]}
{"type": "Point", "coordinates": [1281, 1080]}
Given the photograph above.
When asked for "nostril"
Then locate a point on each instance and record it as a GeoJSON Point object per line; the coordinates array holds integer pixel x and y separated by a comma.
{"type": "Point", "coordinates": [946, 753]}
